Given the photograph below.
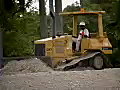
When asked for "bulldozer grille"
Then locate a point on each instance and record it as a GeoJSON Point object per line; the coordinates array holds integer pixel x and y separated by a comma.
{"type": "Point", "coordinates": [59, 49]}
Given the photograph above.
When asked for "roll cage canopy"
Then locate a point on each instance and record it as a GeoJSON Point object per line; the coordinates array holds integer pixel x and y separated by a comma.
{"type": "Point", "coordinates": [84, 12]}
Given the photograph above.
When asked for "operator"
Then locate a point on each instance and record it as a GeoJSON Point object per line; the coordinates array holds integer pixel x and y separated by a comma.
{"type": "Point", "coordinates": [84, 33]}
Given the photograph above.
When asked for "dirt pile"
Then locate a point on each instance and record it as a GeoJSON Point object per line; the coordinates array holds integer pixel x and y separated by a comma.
{"type": "Point", "coordinates": [25, 66]}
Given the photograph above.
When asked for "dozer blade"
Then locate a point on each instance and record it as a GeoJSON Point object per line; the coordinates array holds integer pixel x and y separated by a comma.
{"type": "Point", "coordinates": [75, 62]}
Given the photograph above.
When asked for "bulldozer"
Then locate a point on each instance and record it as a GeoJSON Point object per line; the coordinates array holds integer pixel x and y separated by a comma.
{"type": "Point", "coordinates": [60, 48]}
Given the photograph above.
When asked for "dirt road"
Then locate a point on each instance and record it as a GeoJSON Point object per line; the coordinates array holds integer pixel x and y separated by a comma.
{"type": "Point", "coordinates": [108, 79]}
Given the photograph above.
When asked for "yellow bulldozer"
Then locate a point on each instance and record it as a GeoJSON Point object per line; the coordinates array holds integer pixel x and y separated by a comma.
{"type": "Point", "coordinates": [59, 49]}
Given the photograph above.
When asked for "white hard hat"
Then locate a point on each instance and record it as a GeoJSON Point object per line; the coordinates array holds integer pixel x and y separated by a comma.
{"type": "Point", "coordinates": [82, 23]}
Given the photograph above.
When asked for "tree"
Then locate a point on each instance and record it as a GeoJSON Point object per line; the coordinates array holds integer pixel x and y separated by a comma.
{"type": "Point", "coordinates": [101, 1]}
{"type": "Point", "coordinates": [14, 21]}
{"type": "Point", "coordinates": [1, 49]}
{"type": "Point", "coordinates": [1, 45]}
{"type": "Point", "coordinates": [18, 42]}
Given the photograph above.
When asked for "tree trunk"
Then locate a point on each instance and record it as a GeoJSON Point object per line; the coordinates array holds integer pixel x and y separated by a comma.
{"type": "Point", "coordinates": [58, 18]}
{"type": "Point", "coordinates": [1, 50]}
{"type": "Point", "coordinates": [1, 39]}
{"type": "Point", "coordinates": [43, 19]}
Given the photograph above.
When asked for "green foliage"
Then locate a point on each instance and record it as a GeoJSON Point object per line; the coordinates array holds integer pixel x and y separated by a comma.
{"type": "Point", "coordinates": [18, 41]}
{"type": "Point", "coordinates": [102, 1]}
{"type": "Point", "coordinates": [19, 27]}
{"type": "Point", "coordinates": [8, 9]}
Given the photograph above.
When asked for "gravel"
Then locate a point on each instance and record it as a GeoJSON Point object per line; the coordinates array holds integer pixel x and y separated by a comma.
{"type": "Point", "coordinates": [108, 79]}
{"type": "Point", "coordinates": [33, 74]}
{"type": "Point", "coordinates": [25, 66]}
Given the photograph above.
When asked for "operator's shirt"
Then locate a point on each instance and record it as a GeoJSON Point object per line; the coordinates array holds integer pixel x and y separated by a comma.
{"type": "Point", "coordinates": [82, 33]}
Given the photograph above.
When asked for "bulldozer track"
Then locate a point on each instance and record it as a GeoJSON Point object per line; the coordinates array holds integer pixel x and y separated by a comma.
{"type": "Point", "coordinates": [74, 62]}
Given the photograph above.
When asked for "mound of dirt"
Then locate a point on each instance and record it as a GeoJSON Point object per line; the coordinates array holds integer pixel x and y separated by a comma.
{"type": "Point", "coordinates": [25, 66]}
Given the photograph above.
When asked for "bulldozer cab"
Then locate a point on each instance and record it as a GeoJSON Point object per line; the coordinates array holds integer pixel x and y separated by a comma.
{"type": "Point", "coordinates": [97, 40]}
{"type": "Point", "coordinates": [83, 13]}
